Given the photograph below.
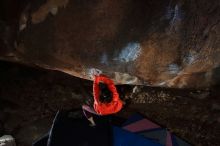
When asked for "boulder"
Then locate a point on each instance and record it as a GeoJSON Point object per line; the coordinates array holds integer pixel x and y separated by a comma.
{"type": "Point", "coordinates": [155, 43]}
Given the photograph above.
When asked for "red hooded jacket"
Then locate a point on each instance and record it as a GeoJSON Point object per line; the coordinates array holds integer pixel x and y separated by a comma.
{"type": "Point", "coordinates": [106, 108]}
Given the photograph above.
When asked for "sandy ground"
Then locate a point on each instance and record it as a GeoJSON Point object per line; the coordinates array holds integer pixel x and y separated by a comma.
{"type": "Point", "coordinates": [30, 97]}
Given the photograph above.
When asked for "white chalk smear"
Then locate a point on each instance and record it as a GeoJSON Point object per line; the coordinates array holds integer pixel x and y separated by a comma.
{"type": "Point", "coordinates": [129, 53]}
{"type": "Point", "coordinates": [104, 59]}
{"type": "Point", "coordinates": [91, 72]}
{"type": "Point", "coordinates": [173, 68]}
{"type": "Point", "coordinates": [175, 15]}
{"type": "Point", "coordinates": [190, 58]}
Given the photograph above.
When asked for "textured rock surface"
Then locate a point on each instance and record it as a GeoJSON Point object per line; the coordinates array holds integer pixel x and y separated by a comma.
{"type": "Point", "coordinates": [156, 43]}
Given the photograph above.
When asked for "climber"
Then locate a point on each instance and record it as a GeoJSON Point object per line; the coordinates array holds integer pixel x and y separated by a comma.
{"type": "Point", "coordinates": [106, 98]}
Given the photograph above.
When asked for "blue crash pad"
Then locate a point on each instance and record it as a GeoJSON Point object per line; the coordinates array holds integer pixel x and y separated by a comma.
{"type": "Point", "coordinates": [122, 137]}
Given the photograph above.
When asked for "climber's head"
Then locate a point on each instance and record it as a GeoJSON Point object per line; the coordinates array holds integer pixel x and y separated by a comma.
{"type": "Point", "coordinates": [105, 95]}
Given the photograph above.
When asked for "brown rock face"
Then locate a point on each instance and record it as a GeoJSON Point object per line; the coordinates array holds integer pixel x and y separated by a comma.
{"type": "Point", "coordinates": [157, 43]}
